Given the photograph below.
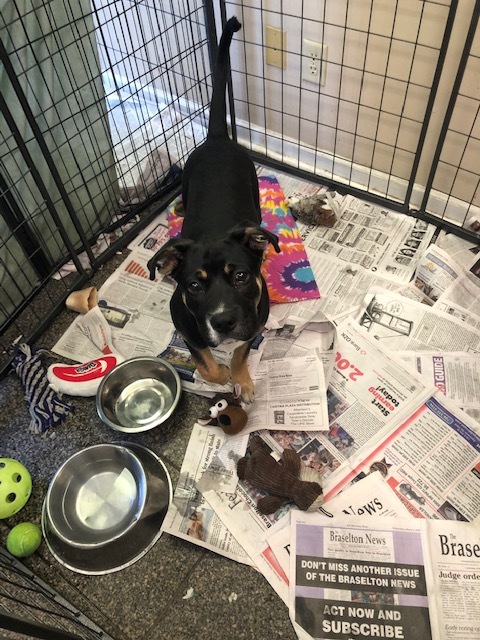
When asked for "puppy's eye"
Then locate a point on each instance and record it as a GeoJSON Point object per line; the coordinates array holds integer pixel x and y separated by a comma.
{"type": "Point", "coordinates": [241, 277]}
{"type": "Point", "coordinates": [194, 287]}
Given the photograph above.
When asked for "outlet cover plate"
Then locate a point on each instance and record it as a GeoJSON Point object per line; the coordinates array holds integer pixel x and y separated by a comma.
{"type": "Point", "coordinates": [314, 62]}
{"type": "Point", "coordinates": [276, 47]}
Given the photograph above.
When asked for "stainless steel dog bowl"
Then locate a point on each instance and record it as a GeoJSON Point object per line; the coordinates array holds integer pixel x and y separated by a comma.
{"type": "Point", "coordinates": [138, 394]}
{"type": "Point", "coordinates": [96, 496]}
{"type": "Point", "coordinates": [136, 542]}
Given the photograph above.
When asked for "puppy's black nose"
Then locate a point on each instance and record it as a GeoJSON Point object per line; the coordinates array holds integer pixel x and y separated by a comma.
{"type": "Point", "coordinates": [224, 322]}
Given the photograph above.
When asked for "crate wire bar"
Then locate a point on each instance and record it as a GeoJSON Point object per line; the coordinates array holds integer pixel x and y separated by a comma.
{"type": "Point", "coordinates": [453, 181]}
{"type": "Point", "coordinates": [40, 611]}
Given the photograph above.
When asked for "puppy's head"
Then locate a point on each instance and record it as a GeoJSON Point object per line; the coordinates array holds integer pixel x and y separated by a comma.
{"type": "Point", "coordinates": [220, 281]}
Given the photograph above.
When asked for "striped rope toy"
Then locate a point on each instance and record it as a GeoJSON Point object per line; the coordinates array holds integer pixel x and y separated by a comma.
{"type": "Point", "coordinates": [46, 408]}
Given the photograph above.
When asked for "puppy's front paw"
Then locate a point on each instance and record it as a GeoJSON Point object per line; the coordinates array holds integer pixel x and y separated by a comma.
{"type": "Point", "coordinates": [247, 389]}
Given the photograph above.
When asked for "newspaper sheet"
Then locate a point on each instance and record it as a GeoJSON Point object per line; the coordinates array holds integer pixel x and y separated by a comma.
{"type": "Point", "coordinates": [436, 271]}
{"type": "Point", "coordinates": [136, 309]}
{"type": "Point", "coordinates": [384, 578]}
{"type": "Point", "coordinates": [431, 461]}
{"type": "Point", "coordinates": [371, 238]}
{"type": "Point", "coordinates": [289, 394]}
{"type": "Point", "coordinates": [457, 375]}
{"type": "Point", "coordinates": [402, 324]}
{"type": "Point", "coordinates": [189, 516]}
{"type": "Point", "coordinates": [464, 252]}
{"type": "Point", "coordinates": [368, 389]}
{"type": "Point", "coordinates": [462, 300]}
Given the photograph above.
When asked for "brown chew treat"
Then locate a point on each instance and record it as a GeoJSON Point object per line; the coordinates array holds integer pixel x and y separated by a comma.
{"type": "Point", "coordinates": [82, 301]}
{"type": "Point", "coordinates": [277, 478]}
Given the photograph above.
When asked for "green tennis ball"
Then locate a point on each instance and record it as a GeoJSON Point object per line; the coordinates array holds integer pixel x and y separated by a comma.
{"type": "Point", "coordinates": [24, 539]}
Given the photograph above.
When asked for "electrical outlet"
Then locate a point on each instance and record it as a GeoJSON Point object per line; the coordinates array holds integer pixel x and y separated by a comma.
{"type": "Point", "coordinates": [314, 62]}
{"type": "Point", "coordinates": [276, 47]}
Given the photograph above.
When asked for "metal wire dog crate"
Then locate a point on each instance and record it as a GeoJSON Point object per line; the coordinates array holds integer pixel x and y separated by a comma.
{"type": "Point", "coordinates": [101, 104]}
{"type": "Point", "coordinates": [384, 118]}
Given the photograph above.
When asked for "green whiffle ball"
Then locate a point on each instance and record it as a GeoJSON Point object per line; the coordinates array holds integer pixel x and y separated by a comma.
{"type": "Point", "coordinates": [24, 539]}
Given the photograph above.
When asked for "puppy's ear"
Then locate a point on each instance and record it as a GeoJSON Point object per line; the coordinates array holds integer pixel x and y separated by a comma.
{"type": "Point", "coordinates": [255, 238]}
{"type": "Point", "coordinates": [168, 258]}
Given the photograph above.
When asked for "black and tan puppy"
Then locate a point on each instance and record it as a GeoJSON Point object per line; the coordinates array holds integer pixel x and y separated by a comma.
{"type": "Point", "coordinates": [221, 294]}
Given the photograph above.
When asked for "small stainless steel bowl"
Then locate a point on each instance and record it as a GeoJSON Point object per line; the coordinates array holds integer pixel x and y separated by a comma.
{"type": "Point", "coordinates": [138, 394]}
{"type": "Point", "coordinates": [96, 496]}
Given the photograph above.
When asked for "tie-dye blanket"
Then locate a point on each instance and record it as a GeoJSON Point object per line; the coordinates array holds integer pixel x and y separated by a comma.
{"type": "Point", "coordinates": [288, 274]}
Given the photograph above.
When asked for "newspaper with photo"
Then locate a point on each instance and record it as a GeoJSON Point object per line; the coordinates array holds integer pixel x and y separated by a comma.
{"type": "Point", "coordinates": [368, 389]}
{"type": "Point", "coordinates": [403, 324]}
{"type": "Point", "coordinates": [431, 461]}
{"type": "Point", "coordinates": [189, 516]}
{"type": "Point", "coordinates": [383, 242]}
{"type": "Point", "coordinates": [136, 309]}
{"type": "Point", "coordinates": [384, 577]}
{"type": "Point", "coordinates": [436, 271]}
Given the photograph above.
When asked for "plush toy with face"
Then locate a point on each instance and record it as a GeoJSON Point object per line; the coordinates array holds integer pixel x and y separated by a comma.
{"type": "Point", "coordinates": [227, 413]}
{"type": "Point", "coordinates": [287, 480]}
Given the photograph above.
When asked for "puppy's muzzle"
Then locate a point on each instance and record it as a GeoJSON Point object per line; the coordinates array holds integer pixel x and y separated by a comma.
{"type": "Point", "coordinates": [224, 322]}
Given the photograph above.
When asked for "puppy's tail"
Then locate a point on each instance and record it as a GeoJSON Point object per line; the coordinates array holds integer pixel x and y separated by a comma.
{"type": "Point", "coordinates": [217, 126]}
